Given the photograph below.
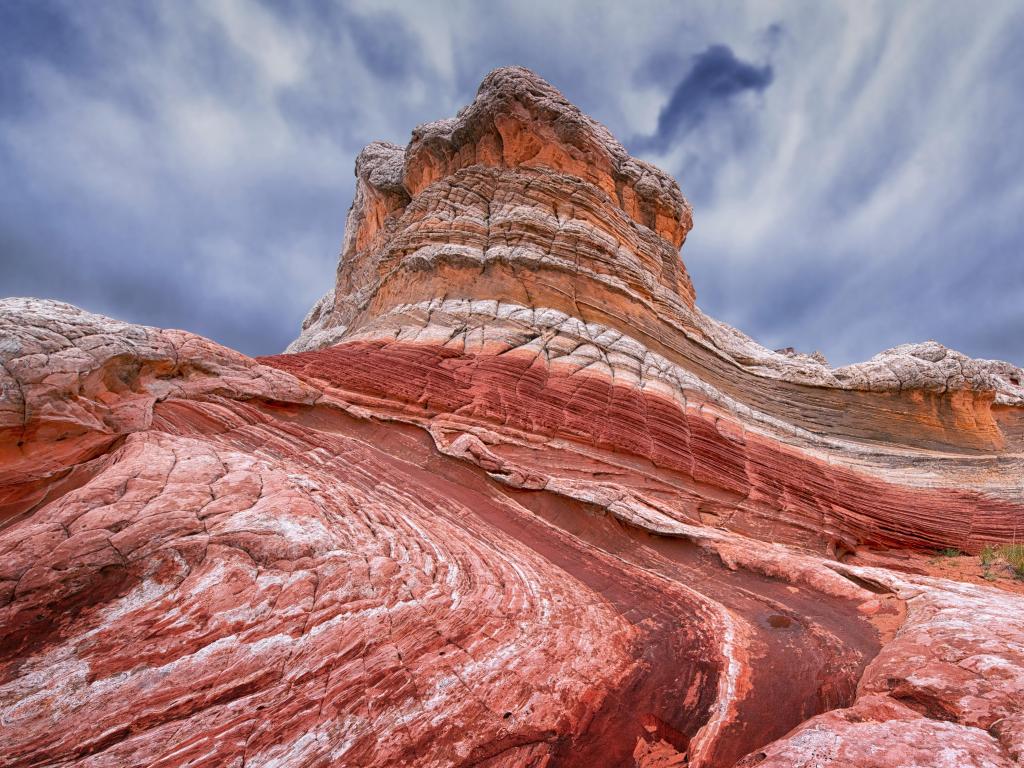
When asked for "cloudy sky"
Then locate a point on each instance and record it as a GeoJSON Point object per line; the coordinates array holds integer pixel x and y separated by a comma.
{"type": "Point", "coordinates": [856, 169]}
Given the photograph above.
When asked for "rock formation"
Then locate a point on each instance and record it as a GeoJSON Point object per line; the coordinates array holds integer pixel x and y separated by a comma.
{"type": "Point", "coordinates": [511, 499]}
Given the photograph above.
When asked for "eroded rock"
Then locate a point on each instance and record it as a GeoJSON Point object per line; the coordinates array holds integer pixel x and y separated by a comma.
{"type": "Point", "coordinates": [513, 501]}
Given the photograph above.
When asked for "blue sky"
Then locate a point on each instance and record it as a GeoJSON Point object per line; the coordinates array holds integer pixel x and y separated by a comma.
{"type": "Point", "coordinates": [856, 169]}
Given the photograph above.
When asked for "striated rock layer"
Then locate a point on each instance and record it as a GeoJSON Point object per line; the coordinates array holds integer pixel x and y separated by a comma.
{"type": "Point", "coordinates": [511, 500]}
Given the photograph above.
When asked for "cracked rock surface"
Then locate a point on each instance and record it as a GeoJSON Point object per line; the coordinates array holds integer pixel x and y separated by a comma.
{"type": "Point", "coordinates": [511, 500]}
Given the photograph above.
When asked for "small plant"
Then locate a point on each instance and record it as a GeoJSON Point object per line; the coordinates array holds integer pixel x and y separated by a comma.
{"type": "Point", "coordinates": [948, 552]}
{"type": "Point", "coordinates": [1013, 554]}
{"type": "Point", "coordinates": [988, 555]}
{"type": "Point", "coordinates": [1003, 556]}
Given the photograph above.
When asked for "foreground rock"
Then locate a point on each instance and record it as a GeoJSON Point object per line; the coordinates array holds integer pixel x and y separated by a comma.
{"type": "Point", "coordinates": [513, 500]}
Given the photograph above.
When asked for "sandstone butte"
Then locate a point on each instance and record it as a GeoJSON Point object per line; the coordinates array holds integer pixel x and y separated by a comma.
{"type": "Point", "coordinates": [511, 499]}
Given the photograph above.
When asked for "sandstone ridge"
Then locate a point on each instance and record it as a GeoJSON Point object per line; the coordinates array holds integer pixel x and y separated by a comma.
{"type": "Point", "coordinates": [511, 500]}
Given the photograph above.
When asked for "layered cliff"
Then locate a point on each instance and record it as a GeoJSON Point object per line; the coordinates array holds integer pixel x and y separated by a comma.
{"type": "Point", "coordinates": [510, 499]}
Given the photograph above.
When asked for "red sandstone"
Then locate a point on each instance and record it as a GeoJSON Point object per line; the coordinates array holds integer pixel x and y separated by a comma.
{"type": "Point", "coordinates": [512, 500]}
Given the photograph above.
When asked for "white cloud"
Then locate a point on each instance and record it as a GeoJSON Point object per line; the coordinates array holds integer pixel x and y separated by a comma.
{"type": "Point", "coordinates": [869, 195]}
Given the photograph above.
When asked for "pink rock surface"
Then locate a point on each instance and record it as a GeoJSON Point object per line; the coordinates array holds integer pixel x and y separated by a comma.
{"type": "Point", "coordinates": [516, 502]}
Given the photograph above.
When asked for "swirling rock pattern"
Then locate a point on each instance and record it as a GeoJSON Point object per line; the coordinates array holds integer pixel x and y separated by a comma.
{"type": "Point", "coordinates": [511, 500]}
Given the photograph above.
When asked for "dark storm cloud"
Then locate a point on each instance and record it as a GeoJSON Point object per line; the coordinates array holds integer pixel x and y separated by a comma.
{"type": "Point", "coordinates": [151, 173]}
{"type": "Point", "coordinates": [43, 32]}
{"type": "Point", "coordinates": [715, 78]}
{"type": "Point", "coordinates": [388, 48]}
{"type": "Point", "coordinates": [189, 164]}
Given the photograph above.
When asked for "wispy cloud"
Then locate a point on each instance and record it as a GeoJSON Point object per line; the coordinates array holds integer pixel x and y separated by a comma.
{"type": "Point", "coordinates": [856, 169]}
{"type": "Point", "coordinates": [174, 169]}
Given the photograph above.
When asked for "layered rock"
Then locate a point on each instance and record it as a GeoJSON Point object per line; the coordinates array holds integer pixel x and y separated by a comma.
{"type": "Point", "coordinates": [512, 500]}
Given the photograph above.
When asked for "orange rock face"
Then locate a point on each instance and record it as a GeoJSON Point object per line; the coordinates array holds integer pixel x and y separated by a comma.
{"type": "Point", "coordinates": [511, 500]}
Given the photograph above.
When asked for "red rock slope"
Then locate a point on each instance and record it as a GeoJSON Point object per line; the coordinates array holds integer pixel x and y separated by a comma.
{"type": "Point", "coordinates": [512, 500]}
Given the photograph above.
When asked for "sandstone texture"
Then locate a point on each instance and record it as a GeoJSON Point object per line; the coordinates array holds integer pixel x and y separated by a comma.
{"type": "Point", "coordinates": [510, 499]}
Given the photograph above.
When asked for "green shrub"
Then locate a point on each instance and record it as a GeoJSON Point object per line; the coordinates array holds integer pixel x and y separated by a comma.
{"type": "Point", "coordinates": [1013, 554]}
{"type": "Point", "coordinates": [1005, 556]}
{"type": "Point", "coordinates": [988, 555]}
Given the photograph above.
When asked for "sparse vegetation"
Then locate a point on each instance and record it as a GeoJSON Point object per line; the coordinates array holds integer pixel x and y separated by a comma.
{"type": "Point", "coordinates": [948, 552]}
{"type": "Point", "coordinates": [1009, 556]}
{"type": "Point", "coordinates": [988, 555]}
{"type": "Point", "coordinates": [1013, 554]}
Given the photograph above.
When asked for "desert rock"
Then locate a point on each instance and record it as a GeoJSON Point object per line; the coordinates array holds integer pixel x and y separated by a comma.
{"type": "Point", "coordinates": [511, 499]}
